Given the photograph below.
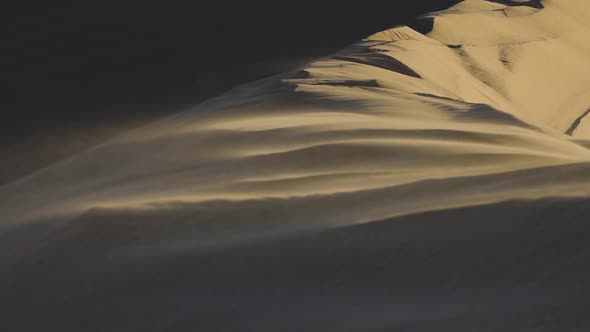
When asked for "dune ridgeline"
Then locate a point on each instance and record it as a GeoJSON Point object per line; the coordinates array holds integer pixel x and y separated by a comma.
{"type": "Point", "coordinates": [431, 177]}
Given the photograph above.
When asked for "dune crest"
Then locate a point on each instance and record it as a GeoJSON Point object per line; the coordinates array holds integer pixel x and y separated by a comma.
{"type": "Point", "coordinates": [396, 108]}
{"type": "Point", "coordinates": [487, 106]}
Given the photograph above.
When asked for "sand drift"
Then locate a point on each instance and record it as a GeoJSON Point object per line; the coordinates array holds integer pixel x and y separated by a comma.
{"type": "Point", "coordinates": [434, 177]}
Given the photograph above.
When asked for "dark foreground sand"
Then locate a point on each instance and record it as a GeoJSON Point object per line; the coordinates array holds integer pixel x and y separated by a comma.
{"type": "Point", "coordinates": [510, 266]}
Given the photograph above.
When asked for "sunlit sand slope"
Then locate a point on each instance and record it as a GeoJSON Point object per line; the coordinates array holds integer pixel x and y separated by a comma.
{"type": "Point", "coordinates": [416, 167]}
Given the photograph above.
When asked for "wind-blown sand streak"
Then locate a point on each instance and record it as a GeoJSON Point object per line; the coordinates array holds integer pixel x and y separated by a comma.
{"type": "Point", "coordinates": [409, 181]}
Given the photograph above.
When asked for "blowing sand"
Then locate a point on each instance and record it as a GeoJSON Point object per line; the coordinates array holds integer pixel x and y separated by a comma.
{"type": "Point", "coordinates": [411, 181]}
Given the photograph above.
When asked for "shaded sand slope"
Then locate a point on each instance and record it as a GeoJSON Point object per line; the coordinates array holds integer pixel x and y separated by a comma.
{"type": "Point", "coordinates": [510, 265]}
{"type": "Point", "coordinates": [261, 209]}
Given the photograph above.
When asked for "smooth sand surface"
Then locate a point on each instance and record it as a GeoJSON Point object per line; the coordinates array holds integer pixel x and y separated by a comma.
{"type": "Point", "coordinates": [410, 182]}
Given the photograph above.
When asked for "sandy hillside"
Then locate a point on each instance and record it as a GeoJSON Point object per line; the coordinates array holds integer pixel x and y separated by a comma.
{"type": "Point", "coordinates": [433, 177]}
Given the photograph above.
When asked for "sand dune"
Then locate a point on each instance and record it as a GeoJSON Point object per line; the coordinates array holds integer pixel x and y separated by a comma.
{"type": "Point", "coordinates": [420, 179]}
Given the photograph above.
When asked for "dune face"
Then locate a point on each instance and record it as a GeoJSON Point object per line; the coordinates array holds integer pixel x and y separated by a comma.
{"type": "Point", "coordinates": [425, 178]}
